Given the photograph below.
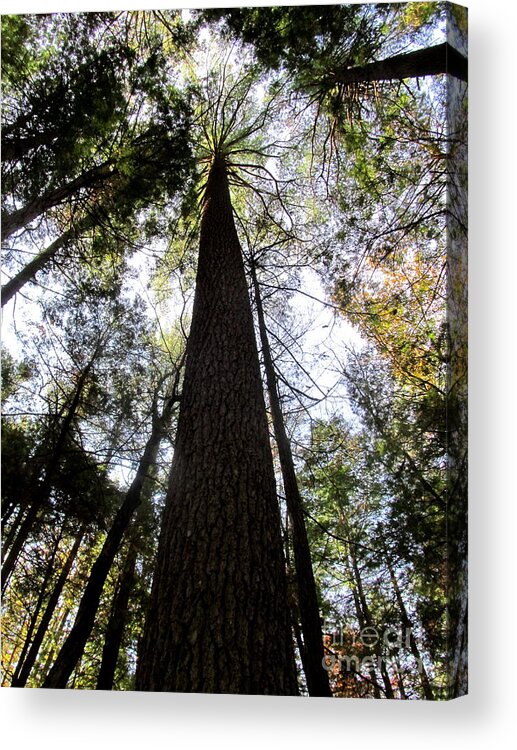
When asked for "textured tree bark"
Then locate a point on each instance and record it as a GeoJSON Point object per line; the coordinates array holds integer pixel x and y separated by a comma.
{"type": "Point", "coordinates": [218, 619]}
{"type": "Point", "coordinates": [73, 647]}
{"type": "Point", "coordinates": [42, 260]}
{"type": "Point", "coordinates": [313, 652]}
{"type": "Point", "coordinates": [442, 58]}
{"type": "Point", "coordinates": [18, 219]}
{"type": "Point", "coordinates": [117, 621]}
{"type": "Point", "coordinates": [21, 676]}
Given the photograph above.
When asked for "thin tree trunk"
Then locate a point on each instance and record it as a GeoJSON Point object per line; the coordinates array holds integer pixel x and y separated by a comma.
{"type": "Point", "coordinates": [406, 621]}
{"type": "Point", "coordinates": [362, 624]}
{"type": "Point", "coordinates": [400, 684]}
{"type": "Point", "coordinates": [368, 619]}
{"type": "Point", "coordinates": [6, 668]}
{"type": "Point", "coordinates": [117, 621]}
{"type": "Point", "coordinates": [313, 653]}
{"type": "Point", "coordinates": [43, 491]}
{"type": "Point", "coordinates": [43, 670]}
{"type": "Point", "coordinates": [73, 647]}
{"type": "Point", "coordinates": [22, 675]}
{"type": "Point", "coordinates": [8, 509]}
{"type": "Point", "coordinates": [18, 543]}
{"type": "Point", "coordinates": [442, 58]}
{"type": "Point", "coordinates": [13, 530]}
{"type": "Point", "coordinates": [37, 609]}
{"type": "Point", "coordinates": [219, 618]}
{"type": "Point", "coordinates": [42, 260]}
{"type": "Point", "coordinates": [18, 219]}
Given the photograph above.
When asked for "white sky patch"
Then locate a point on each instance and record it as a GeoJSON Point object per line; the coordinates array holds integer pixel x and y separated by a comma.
{"type": "Point", "coordinates": [8, 329]}
{"type": "Point", "coordinates": [272, 166]}
{"type": "Point", "coordinates": [204, 34]}
{"type": "Point", "coordinates": [259, 92]}
{"type": "Point", "coordinates": [326, 339]}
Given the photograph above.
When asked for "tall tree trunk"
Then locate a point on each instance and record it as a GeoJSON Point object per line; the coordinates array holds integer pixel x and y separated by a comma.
{"type": "Point", "coordinates": [313, 652]}
{"type": "Point", "coordinates": [43, 259]}
{"type": "Point", "coordinates": [8, 508]}
{"type": "Point", "coordinates": [400, 683]}
{"type": "Point", "coordinates": [18, 542]}
{"type": "Point", "coordinates": [118, 620]}
{"type": "Point", "coordinates": [406, 622]}
{"type": "Point", "coordinates": [37, 609]}
{"type": "Point", "coordinates": [43, 669]}
{"type": "Point", "coordinates": [362, 623]}
{"type": "Point", "coordinates": [368, 620]}
{"type": "Point", "coordinates": [42, 492]}
{"type": "Point", "coordinates": [219, 619]}
{"type": "Point", "coordinates": [14, 526]}
{"type": "Point", "coordinates": [22, 675]}
{"type": "Point", "coordinates": [73, 647]}
{"type": "Point", "coordinates": [18, 219]}
{"type": "Point", "coordinates": [6, 666]}
{"type": "Point", "coordinates": [442, 58]}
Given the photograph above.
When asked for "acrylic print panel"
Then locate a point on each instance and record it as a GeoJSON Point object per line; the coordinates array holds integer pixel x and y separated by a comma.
{"type": "Point", "coordinates": [234, 368]}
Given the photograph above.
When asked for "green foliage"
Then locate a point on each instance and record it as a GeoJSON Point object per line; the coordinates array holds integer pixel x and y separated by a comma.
{"type": "Point", "coordinates": [345, 183]}
{"type": "Point", "coordinates": [18, 54]}
{"type": "Point", "coordinates": [13, 374]}
{"type": "Point", "coordinates": [304, 38]}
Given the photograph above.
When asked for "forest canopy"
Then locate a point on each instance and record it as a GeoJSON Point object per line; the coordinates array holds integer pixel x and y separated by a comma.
{"type": "Point", "coordinates": [234, 350]}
